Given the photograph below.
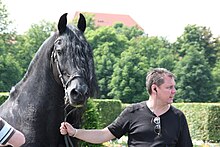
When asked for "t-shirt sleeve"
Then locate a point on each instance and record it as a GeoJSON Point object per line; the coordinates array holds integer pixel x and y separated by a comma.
{"type": "Point", "coordinates": [6, 131]}
{"type": "Point", "coordinates": [120, 125]}
{"type": "Point", "coordinates": [184, 137]}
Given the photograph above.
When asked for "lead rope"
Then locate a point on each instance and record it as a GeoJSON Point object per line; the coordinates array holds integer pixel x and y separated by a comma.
{"type": "Point", "coordinates": [67, 139]}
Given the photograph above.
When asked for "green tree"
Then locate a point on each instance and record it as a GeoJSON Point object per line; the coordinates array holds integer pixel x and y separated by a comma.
{"type": "Point", "coordinates": [28, 43]}
{"type": "Point", "coordinates": [129, 77]}
{"type": "Point", "coordinates": [216, 77]}
{"type": "Point", "coordinates": [158, 51]}
{"type": "Point", "coordinates": [198, 35]}
{"type": "Point", "coordinates": [129, 32]}
{"type": "Point", "coordinates": [7, 32]}
{"type": "Point", "coordinates": [194, 80]}
{"type": "Point", "coordinates": [104, 65]}
{"type": "Point", "coordinates": [107, 35]}
{"type": "Point", "coordinates": [10, 70]}
{"type": "Point", "coordinates": [107, 46]}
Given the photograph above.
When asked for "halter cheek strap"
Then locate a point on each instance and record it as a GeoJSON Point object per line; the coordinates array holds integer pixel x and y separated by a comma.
{"type": "Point", "coordinates": [57, 73]}
{"type": "Point", "coordinates": [60, 80]}
{"type": "Point", "coordinates": [58, 76]}
{"type": "Point", "coordinates": [55, 69]}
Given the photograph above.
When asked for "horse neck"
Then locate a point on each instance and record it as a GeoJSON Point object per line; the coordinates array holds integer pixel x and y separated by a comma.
{"type": "Point", "coordinates": [39, 73]}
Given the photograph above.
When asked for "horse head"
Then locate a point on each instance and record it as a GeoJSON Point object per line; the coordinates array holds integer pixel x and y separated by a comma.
{"type": "Point", "coordinates": [72, 62]}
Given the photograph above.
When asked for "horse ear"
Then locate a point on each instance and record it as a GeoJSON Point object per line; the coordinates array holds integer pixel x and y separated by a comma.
{"type": "Point", "coordinates": [82, 23]}
{"type": "Point", "coordinates": [62, 23]}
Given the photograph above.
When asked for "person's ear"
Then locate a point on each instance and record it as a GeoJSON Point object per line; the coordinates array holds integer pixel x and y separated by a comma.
{"type": "Point", "coordinates": [154, 88]}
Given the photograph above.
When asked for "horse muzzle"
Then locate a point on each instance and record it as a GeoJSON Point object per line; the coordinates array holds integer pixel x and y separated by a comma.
{"type": "Point", "coordinates": [77, 93]}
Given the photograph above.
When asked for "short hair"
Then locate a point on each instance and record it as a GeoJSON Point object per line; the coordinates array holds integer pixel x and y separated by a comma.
{"type": "Point", "coordinates": [156, 76]}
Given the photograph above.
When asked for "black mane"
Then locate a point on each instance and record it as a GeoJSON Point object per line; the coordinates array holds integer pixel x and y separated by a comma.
{"type": "Point", "coordinates": [84, 58]}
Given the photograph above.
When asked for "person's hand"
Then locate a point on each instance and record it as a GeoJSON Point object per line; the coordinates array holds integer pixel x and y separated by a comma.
{"type": "Point", "coordinates": [67, 128]}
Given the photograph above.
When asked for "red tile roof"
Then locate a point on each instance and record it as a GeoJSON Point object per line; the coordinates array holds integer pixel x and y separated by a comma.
{"type": "Point", "coordinates": [103, 19]}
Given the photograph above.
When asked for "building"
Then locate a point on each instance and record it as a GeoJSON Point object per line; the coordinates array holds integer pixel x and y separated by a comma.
{"type": "Point", "coordinates": [104, 19]}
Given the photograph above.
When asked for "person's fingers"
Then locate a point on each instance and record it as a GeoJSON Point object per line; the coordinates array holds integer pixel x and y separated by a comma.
{"type": "Point", "coordinates": [67, 125]}
{"type": "Point", "coordinates": [67, 128]}
{"type": "Point", "coordinates": [63, 129]}
{"type": "Point", "coordinates": [63, 132]}
{"type": "Point", "coordinates": [62, 126]}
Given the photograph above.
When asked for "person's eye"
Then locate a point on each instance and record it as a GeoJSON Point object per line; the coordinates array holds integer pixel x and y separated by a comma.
{"type": "Point", "coordinates": [170, 87]}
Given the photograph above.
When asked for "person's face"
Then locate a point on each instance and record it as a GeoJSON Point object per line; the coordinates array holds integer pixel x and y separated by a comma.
{"type": "Point", "coordinates": [166, 91]}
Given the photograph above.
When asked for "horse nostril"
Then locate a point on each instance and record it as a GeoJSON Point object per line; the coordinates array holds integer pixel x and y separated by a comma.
{"type": "Point", "coordinates": [73, 93]}
{"type": "Point", "coordinates": [78, 94]}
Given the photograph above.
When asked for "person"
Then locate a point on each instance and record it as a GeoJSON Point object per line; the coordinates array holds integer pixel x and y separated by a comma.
{"type": "Point", "coordinates": [9, 135]}
{"type": "Point", "coordinates": [151, 123]}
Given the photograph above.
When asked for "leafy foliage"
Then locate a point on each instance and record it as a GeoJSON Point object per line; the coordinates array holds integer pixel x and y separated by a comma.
{"type": "Point", "coordinates": [201, 36]}
{"type": "Point", "coordinates": [90, 120]}
{"type": "Point", "coordinates": [128, 80]}
{"type": "Point", "coordinates": [9, 69]}
{"type": "Point", "coordinates": [193, 85]}
{"type": "Point", "coordinates": [108, 46]}
{"type": "Point", "coordinates": [122, 56]}
{"type": "Point", "coordinates": [203, 120]}
{"type": "Point", "coordinates": [30, 42]}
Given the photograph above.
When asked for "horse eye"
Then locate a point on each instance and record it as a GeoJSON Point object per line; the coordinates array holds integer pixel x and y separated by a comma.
{"type": "Point", "coordinates": [59, 51]}
{"type": "Point", "coordinates": [59, 42]}
{"type": "Point", "coordinates": [58, 46]}
{"type": "Point", "coordinates": [65, 73]}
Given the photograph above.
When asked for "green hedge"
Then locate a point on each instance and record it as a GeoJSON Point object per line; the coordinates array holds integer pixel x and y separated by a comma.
{"type": "Point", "coordinates": [90, 121]}
{"type": "Point", "coordinates": [203, 120]}
{"type": "Point", "coordinates": [108, 110]}
{"type": "Point", "coordinates": [3, 96]}
{"type": "Point", "coordinates": [99, 113]}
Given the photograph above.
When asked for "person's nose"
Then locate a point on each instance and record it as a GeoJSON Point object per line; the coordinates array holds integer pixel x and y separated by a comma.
{"type": "Point", "coordinates": [173, 90]}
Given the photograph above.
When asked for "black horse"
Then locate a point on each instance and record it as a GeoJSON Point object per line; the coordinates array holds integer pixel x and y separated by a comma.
{"type": "Point", "coordinates": [60, 77]}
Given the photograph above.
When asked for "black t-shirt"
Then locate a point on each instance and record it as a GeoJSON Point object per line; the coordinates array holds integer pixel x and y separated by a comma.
{"type": "Point", "coordinates": [136, 122]}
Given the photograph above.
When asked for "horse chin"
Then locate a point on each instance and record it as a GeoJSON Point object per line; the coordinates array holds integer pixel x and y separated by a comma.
{"type": "Point", "coordinates": [77, 105]}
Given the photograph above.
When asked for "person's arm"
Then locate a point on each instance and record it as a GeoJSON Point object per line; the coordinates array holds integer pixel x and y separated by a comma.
{"type": "Point", "coordinates": [17, 139]}
{"type": "Point", "coordinates": [91, 136]}
{"type": "Point", "coordinates": [9, 135]}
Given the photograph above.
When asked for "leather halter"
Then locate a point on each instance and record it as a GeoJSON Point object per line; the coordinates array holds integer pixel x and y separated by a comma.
{"type": "Point", "coordinates": [58, 75]}
{"type": "Point", "coordinates": [60, 80]}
